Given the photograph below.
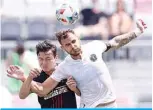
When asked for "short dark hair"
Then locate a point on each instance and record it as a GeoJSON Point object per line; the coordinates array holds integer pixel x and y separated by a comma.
{"type": "Point", "coordinates": [63, 34]}
{"type": "Point", "coordinates": [45, 46]}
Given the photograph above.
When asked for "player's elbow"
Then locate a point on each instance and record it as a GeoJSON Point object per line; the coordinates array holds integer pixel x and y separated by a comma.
{"type": "Point", "coordinates": [21, 96]}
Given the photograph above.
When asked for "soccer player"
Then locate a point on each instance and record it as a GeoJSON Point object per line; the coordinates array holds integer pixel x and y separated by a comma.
{"type": "Point", "coordinates": [62, 96]}
{"type": "Point", "coordinates": [85, 65]}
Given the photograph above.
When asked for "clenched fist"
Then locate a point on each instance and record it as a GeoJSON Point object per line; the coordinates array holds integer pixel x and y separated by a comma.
{"type": "Point", "coordinates": [141, 26]}
{"type": "Point", "coordinates": [34, 73]}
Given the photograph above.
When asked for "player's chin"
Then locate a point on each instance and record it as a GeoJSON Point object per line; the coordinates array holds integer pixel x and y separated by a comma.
{"type": "Point", "coordinates": [75, 54]}
{"type": "Point", "coordinates": [45, 69]}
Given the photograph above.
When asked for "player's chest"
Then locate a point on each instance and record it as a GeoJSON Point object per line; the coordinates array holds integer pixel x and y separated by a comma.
{"type": "Point", "coordinates": [84, 71]}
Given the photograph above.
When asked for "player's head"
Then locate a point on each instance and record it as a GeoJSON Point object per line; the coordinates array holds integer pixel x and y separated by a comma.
{"type": "Point", "coordinates": [120, 5]}
{"type": "Point", "coordinates": [47, 55]}
{"type": "Point", "coordinates": [20, 48]}
{"type": "Point", "coordinates": [69, 42]}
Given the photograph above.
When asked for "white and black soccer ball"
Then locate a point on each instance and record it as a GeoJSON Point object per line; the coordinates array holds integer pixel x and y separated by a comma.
{"type": "Point", "coordinates": [66, 14]}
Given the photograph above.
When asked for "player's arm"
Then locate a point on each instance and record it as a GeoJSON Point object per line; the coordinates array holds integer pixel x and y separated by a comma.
{"type": "Point", "coordinates": [72, 85]}
{"type": "Point", "coordinates": [77, 91]}
{"type": "Point", "coordinates": [16, 72]}
{"type": "Point", "coordinates": [44, 88]}
{"type": "Point", "coordinates": [122, 40]}
{"type": "Point", "coordinates": [24, 92]}
{"type": "Point", "coordinates": [41, 89]}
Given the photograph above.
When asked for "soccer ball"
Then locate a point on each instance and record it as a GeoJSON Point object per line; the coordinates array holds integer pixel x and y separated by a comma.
{"type": "Point", "coordinates": [66, 14]}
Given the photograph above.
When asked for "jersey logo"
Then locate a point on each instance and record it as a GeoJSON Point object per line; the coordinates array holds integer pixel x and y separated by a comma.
{"type": "Point", "coordinates": [57, 91]}
{"type": "Point", "coordinates": [93, 57]}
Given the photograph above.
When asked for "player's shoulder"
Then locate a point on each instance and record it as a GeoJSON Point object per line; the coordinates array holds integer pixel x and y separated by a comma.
{"type": "Point", "coordinates": [61, 65]}
{"type": "Point", "coordinates": [94, 43]}
{"type": "Point", "coordinates": [41, 77]}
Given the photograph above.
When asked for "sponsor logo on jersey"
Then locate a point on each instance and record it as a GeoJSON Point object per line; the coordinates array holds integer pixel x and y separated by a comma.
{"type": "Point", "coordinates": [57, 91]}
{"type": "Point", "coordinates": [93, 57]}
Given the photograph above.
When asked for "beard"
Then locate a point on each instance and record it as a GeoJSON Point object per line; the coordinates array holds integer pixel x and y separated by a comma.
{"type": "Point", "coordinates": [74, 54]}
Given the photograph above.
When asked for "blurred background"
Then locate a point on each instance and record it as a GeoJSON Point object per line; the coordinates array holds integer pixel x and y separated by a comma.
{"type": "Point", "coordinates": [25, 22]}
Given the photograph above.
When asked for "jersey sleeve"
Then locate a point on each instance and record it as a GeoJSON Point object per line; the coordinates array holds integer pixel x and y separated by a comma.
{"type": "Point", "coordinates": [37, 79]}
{"type": "Point", "coordinates": [59, 74]}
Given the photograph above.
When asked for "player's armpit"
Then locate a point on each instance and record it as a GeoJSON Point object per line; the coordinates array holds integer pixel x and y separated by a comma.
{"type": "Point", "coordinates": [108, 46]}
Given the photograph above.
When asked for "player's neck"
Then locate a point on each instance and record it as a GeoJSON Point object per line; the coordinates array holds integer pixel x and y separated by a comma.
{"type": "Point", "coordinates": [77, 57]}
{"type": "Point", "coordinates": [50, 72]}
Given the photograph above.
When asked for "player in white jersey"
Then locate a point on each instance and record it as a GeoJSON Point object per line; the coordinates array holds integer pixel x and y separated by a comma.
{"type": "Point", "coordinates": [85, 65]}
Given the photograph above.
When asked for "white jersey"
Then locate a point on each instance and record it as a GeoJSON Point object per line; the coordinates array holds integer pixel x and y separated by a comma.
{"type": "Point", "coordinates": [90, 73]}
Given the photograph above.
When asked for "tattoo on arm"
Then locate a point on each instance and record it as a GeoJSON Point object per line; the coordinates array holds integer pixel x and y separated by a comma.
{"type": "Point", "coordinates": [121, 40]}
{"type": "Point", "coordinates": [126, 39]}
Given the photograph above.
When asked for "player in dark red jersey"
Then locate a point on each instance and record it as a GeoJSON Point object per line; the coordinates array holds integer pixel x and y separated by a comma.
{"type": "Point", "coordinates": [63, 96]}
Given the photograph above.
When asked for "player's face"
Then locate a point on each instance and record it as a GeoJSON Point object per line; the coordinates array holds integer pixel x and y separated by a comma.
{"type": "Point", "coordinates": [47, 61]}
{"type": "Point", "coordinates": [71, 45]}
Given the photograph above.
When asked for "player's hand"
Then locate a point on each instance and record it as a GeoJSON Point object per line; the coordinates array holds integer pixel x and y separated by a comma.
{"type": "Point", "coordinates": [141, 26]}
{"type": "Point", "coordinates": [71, 83]}
{"type": "Point", "coordinates": [34, 73]}
{"type": "Point", "coordinates": [16, 72]}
